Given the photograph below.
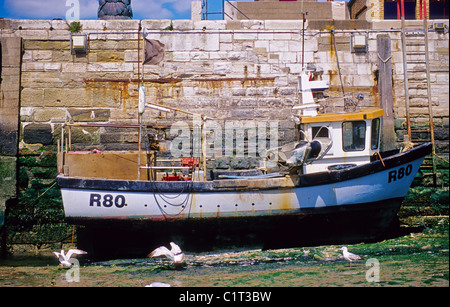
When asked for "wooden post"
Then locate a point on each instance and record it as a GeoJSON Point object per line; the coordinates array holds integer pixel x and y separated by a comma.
{"type": "Point", "coordinates": [388, 137]}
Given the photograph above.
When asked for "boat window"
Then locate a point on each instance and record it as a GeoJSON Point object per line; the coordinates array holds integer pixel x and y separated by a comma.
{"type": "Point", "coordinates": [320, 132]}
{"type": "Point", "coordinates": [353, 135]}
{"type": "Point", "coordinates": [323, 135]}
{"type": "Point", "coordinates": [375, 138]}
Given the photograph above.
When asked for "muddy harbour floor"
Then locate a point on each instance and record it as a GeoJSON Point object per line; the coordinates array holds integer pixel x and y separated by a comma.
{"type": "Point", "coordinates": [419, 258]}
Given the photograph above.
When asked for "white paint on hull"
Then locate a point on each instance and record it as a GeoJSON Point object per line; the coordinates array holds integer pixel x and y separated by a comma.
{"type": "Point", "coordinates": [101, 204]}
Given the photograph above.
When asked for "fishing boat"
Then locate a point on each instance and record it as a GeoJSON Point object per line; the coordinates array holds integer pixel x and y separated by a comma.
{"type": "Point", "coordinates": [332, 185]}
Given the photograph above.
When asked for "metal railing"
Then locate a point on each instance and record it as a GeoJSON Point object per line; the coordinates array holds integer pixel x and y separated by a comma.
{"type": "Point", "coordinates": [207, 9]}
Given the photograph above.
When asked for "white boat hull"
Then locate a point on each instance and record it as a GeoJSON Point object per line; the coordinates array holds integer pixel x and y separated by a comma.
{"type": "Point", "coordinates": [92, 204]}
{"type": "Point", "coordinates": [351, 205]}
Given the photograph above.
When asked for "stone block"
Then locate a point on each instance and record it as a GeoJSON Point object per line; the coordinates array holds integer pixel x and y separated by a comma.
{"type": "Point", "coordinates": [8, 139]}
{"type": "Point", "coordinates": [32, 66]}
{"type": "Point", "coordinates": [122, 24]}
{"type": "Point", "coordinates": [226, 38]}
{"type": "Point", "coordinates": [226, 46]}
{"type": "Point", "coordinates": [283, 24]}
{"type": "Point", "coordinates": [58, 35]}
{"type": "Point", "coordinates": [41, 66]}
{"type": "Point", "coordinates": [196, 10]}
{"type": "Point", "coordinates": [27, 56]}
{"type": "Point", "coordinates": [233, 25]}
{"type": "Point", "coordinates": [49, 114]}
{"type": "Point", "coordinates": [282, 36]}
{"type": "Point", "coordinates": [237, 55]}
{"type": "Point", "coordinates": [243, 163]}
{"type": "Point", "coordinates": [296, 46]}
{"type": "Point", "coordinates": [199, 55]}
{"type": "Point", "coordinates": [245, 36]}
{"type": "Point", "coordinates": [294, 68]}
{"type": "Point", "coordinates": [110, 138]}
{"type": "Point", "coordinates": [276, 46]}
{"type": "Point", "coordinates": [131, 56]}
{"type": "Point", "coordinates": [60, 97]}
{"type": "Point", "coordinates": [206, 25]}
{"type": "Point", "coordinates": [63, 56]}
{"type": "Point", "coordinates": [183, 56]}
{"type": "Point", "coordinates": [191, 42]}
{"type": "Point", "coordinates": [42, 55]}
{"type": "Point", "coordinates": [110, 56]}
{"type": "Point", "coordinates": [85, 135]}
{"type": "Point", "coordinates": [242, 113]}
{"type": "Point", "coordinates": [32, 97]}
{"type": "Point", "coordinates": [38, 134]}
{"type": "Point", "coordinates": [34, 34]}
{"type": "Point", "coordinates": [104, 97]}
{"type": "Point", "coordinates": [183, 24]}
{"type": "Point", "coordinates": [222, 68]}
{"type": "Point", "coordinates": [32, 24]}
{"type": "Point", "coordinates": [74, 67]}
{"type": "Point", "coordinates": [218, 56]}
{"type": "Point", "coordinates": [89, 115]}
{"type": "Point", "coordinates": [252, 24]}
{"type": "Point", "coordinates": [98, 25]}
{"type": "Point", "coordinates": [110, 67]}
{"type": "Point", "coordinates": [222, 162]}
{"type": "Point", "coordinates": [155, 24]}
{"type": "Point", "coordinates": [265, 36]}
{"type": "Point", "coordinates": [239, 92]}
{"type": "Point", "coordinates": [288, 57]}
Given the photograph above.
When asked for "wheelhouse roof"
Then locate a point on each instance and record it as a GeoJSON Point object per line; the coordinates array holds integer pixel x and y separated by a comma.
{"type": "Point", "coordinates": [338, 117]}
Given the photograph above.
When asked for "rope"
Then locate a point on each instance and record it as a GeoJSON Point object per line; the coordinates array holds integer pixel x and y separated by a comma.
{"type": "Point", "coordinates": [45, 191]}
{"type": "Point", "coordinates": [187, 189]}
{"type": "Point", "coordinates": [442, 158]}
{"type": "Point", "coordinates": [381, 159]}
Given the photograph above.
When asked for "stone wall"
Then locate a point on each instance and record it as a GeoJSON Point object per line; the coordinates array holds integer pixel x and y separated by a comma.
{"type": "Point", "coordinates": [228, 70]}
{"type": "Point", "coordinates": [275, 10]}
{"type": "Point", "coordinates": [232, 71]}
{"type": "Point", "coordinates": [10, 55]}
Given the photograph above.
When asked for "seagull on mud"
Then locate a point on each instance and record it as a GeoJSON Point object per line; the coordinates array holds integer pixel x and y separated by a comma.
{"type": "Point", "coordinates": [64, 258]}
{"type": "Point", "coordinates": [350, 257]}
{"type": "Point", "coordinates": [175, 254]}
{"type": "Point", "coordinates": [158, 284]}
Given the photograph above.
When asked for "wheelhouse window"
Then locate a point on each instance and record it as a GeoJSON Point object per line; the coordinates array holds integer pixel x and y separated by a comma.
{"type": "Point", "coordinates": [353, 135]}
{"type": "Point", "coordinates": [323, 135]}
{"type": "Point", "coordinates": [320, 132]}
{"type": "Point", "coordinates": [375, 135]}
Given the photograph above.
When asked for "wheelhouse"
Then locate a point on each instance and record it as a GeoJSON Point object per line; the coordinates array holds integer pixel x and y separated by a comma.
{"type": "Point", "coordinates": [346, 139]}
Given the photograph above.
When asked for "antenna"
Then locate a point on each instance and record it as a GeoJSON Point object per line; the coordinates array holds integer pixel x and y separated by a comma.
{"type": "Point", "coordinates": [303, 37]}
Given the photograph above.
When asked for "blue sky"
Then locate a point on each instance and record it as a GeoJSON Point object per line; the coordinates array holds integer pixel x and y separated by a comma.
{"type": "Point", "coordinates": [142, 9]}
{"type": "Point", "coordinates": [49, 9]}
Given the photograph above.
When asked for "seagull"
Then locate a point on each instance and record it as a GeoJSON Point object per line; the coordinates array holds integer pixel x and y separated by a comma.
{"type": "Point", "coordinates": [175, 254]}
{"type": "Point", "coordinates": [349, 256]}
{"type": "Point", "coordinates": [64, 259]}
{"type": "Point", "coordinates": [158, 284]}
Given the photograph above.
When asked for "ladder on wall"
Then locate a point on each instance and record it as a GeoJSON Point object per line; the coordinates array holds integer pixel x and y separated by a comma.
{"type": "Point", "coordinates": [417, 90]}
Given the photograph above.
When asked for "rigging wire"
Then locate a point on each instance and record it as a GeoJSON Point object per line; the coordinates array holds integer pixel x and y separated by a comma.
{"type": "Point", "coordinates": [169, 199]}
